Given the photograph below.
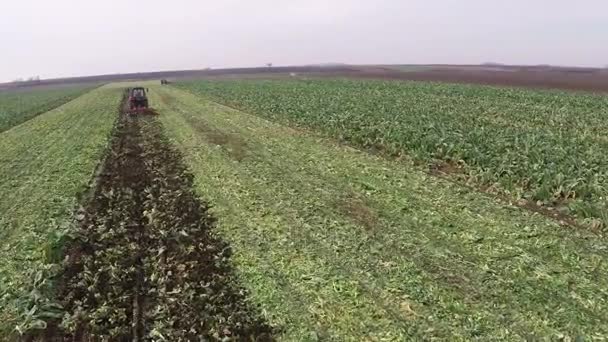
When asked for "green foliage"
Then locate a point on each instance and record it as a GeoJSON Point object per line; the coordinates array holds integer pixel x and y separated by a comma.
{"type": "Point", "coordinates": [22, 105]}
{"type": "Point", "coordinates": [543, 146]}
{"type": "Point", "coordinates": [45, 163]}
{"type": "Point", "coordinates": [336, 244]}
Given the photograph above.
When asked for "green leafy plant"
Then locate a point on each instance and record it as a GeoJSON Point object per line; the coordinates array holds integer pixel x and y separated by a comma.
{"type": "Point", "coordinates": [46, 162]}
{"type": "Point", "coordinates": [545, 146]}
{"type": "Point", "coordinates": [18, 106]}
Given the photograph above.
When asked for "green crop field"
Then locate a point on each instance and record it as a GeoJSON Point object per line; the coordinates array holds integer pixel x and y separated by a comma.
{"type": "Point", "coordinates": [316, 210]}
{"type": "Point", "coordinates": [19, 106]}
{"type": "Point", "coordinates": [335, 243]}
{"type": "Point", "coordinates": [45, 163]}
{"type": "Point", "coordinates": [546, 147]}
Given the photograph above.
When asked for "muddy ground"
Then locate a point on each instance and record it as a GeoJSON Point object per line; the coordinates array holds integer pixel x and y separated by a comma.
{"type": "Point", "coordinates": [145, 264]}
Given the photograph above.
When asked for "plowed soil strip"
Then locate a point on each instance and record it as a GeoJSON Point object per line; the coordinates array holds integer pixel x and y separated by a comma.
{"type": "Point", "coordinates": [145, 265]}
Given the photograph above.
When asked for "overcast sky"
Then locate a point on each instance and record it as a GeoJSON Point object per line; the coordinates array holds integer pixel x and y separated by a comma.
{"type": "Point", "coordinates": [76, 37]}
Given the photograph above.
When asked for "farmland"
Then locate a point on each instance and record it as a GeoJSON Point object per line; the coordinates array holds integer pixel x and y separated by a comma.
{"type": "Point", "coordinates": [306, 210]}
{"type": "Point", "coordinates": [21, 105]}
{"type": "Point", "coordinates": [154, 271]}
{"type": "Point", "coordinates": [544, 147]}
{"type": "Point", "coordinates": [334, 242]}
{"type": "Point", "coordinates": [45, 163]}
{"type": "Point", "coordinates": [130, 258]}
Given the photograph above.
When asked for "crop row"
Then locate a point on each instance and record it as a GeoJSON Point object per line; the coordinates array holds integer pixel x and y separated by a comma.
{"type": "Point", "coordinates": [45, 163]}
{"type": "Point", "coordinates": [19, 106]}
{"type": "Point", "coordinates": [542, 146]}
{"type": "Point", "coordinates": [338, 244]}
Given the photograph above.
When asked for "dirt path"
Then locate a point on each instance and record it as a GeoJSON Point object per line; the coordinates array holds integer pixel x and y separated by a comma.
{"type": "Point", "coordinates": [145, 264]}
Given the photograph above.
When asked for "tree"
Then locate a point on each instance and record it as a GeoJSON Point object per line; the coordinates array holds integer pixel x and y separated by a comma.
{"type": "Point", "coordinates": [269, 65]}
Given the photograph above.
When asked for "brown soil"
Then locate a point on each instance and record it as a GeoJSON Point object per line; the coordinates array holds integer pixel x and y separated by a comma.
{"type": "Point", "coordinates": [440, 168]}
{"type": "Point", "coordinates": [356, 209]}
{"type": "Point", "coordinates": [144, 264]}
{"type": "Point", "coordinates": [529, 77]}
{"type": "Point", "coordinates": [552, 212]}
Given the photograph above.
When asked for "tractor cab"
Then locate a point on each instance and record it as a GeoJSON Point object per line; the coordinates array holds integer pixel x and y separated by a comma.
{"type": "Point", "coordinates": [138, 92]}
{"type": "Point", "coordinates": [138, 101]}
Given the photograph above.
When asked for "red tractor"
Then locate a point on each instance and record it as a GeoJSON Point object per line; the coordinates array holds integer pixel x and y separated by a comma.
{"type": "Point", "coordinates": [138, 101]}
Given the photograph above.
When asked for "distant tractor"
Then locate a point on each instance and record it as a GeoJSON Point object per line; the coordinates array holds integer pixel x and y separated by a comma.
{"type": "Point", "coordinates": [138, 100]}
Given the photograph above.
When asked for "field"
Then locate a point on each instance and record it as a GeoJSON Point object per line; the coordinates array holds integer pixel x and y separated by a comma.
{"type": "Point", "coordinates": [46, 163]}
{"type": "Point", "coordinates": [146, 231]}
{"type": "Point", "coordinates": [532, 76]}
{"type": "Point", "coordinates": [307, 210]}
{"type": "Point", "coordinates": [19, 106]}
{"type": "Point", "coordinates": [541, 147]}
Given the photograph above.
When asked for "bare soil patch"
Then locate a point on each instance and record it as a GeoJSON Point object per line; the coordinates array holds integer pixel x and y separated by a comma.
{"type": "Point", "coordinates": [358, 211]}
